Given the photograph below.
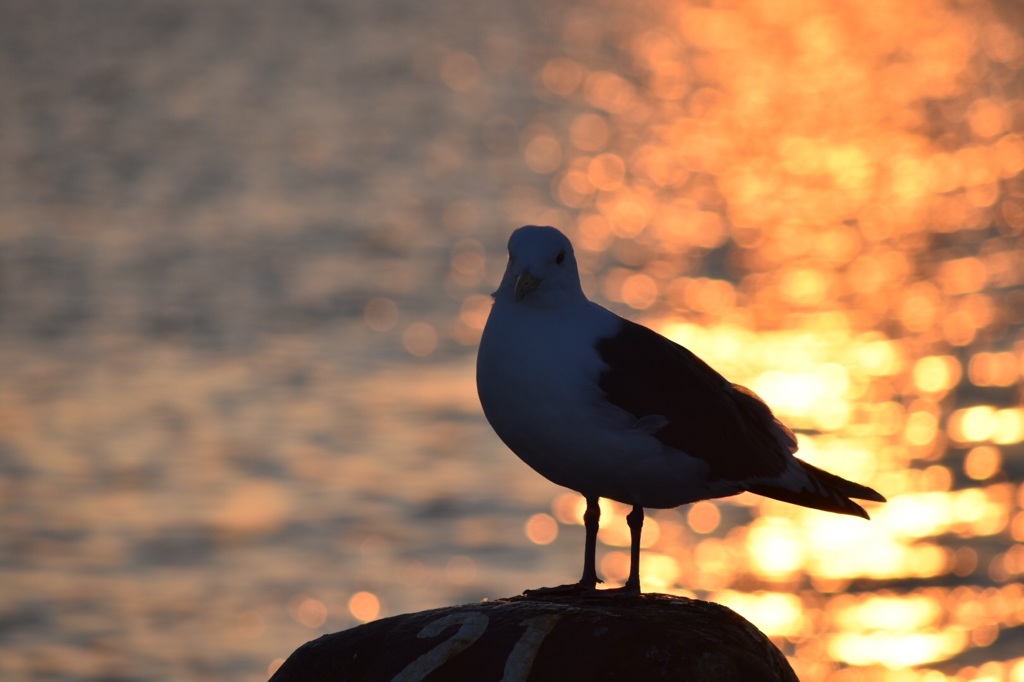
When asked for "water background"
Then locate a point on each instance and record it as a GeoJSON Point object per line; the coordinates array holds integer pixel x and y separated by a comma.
{"type": "Point", "coordinates": [245, 252]}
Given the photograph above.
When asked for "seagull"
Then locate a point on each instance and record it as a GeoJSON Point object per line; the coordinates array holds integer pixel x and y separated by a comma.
{"type": "Point", "coordinates": [609, 408]}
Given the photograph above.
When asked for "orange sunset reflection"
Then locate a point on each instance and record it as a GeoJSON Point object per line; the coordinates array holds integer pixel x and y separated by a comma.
{"type": "Point", "coordinates": [825, 201]}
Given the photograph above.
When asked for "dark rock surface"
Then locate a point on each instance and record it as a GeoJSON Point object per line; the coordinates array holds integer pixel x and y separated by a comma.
{"type": "Point", "coordinates": [652, 637]}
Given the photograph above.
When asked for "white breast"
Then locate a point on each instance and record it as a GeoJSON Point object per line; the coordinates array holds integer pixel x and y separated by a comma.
{"type": "Point", "coordinates": [537, 377]}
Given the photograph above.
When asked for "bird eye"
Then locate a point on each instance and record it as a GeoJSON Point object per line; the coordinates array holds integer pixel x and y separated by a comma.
{"type": "Point", "coordinates": [560, 258]}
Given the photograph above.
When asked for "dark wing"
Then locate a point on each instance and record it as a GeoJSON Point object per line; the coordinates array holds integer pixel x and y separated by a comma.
{"type": "Point", "coordinates": [725, 425]}
{"type": "Point", "coordinates": [826, 491]}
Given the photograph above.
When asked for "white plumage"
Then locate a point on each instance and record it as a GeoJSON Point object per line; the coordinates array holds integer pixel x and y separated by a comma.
{"type": "Point", "coordinates": [609, 408]}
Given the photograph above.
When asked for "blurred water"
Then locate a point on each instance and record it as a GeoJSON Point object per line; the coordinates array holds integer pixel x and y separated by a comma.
{"type": "Point", "coordinates": [244, 256]}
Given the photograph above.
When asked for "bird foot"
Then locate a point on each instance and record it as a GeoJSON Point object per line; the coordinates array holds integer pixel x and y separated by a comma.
{"type": "Point", "coordinates": [559, 590]}
{"type": "Point", "coordinates": [584, 590]}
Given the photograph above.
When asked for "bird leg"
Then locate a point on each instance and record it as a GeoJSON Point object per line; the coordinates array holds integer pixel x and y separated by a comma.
{"type": "Point", "coordinates": [588, 583]}
{"type": "Point", "coordinates": [591, 522]}
{"type": "Point", "coordinates": [635, 521]}
{"type": "Point", "coordinates": [587, 586]}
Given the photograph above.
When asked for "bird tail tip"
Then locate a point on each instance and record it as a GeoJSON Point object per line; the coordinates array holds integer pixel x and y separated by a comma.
{"type": "Point", "coordinates": [827, 492]}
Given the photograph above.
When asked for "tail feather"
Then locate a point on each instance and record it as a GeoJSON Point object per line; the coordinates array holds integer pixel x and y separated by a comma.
{"type": "Point", "coordinates": [826, 492]}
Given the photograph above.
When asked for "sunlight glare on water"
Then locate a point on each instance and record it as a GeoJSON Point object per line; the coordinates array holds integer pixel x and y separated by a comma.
{"type": "Point", "coordinates": [823, 200]}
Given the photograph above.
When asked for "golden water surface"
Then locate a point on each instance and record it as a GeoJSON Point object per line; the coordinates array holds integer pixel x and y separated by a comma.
{"type": "Point", "coordinates": [245, 252]}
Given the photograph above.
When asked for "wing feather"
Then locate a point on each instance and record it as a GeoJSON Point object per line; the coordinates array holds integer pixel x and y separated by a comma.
{"type": "Point", "coordinates": [705, 415]}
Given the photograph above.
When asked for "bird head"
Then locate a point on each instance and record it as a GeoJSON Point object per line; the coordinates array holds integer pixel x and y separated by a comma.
{"type": "Point", "coordinates": [541, 267]}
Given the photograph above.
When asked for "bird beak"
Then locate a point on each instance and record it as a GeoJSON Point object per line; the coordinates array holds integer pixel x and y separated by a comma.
{"type": "Point", "coordinates": [525, 283]}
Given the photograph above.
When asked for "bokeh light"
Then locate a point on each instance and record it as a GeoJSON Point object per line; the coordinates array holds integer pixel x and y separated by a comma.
{"type": "Point", "coordinates": [541, 529]}
{"type": "Point", "coordinates": [364, 606]}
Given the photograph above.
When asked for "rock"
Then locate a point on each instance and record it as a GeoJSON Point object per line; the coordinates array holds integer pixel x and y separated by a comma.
{"type": "Point", "coordinates": [651, 637]}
